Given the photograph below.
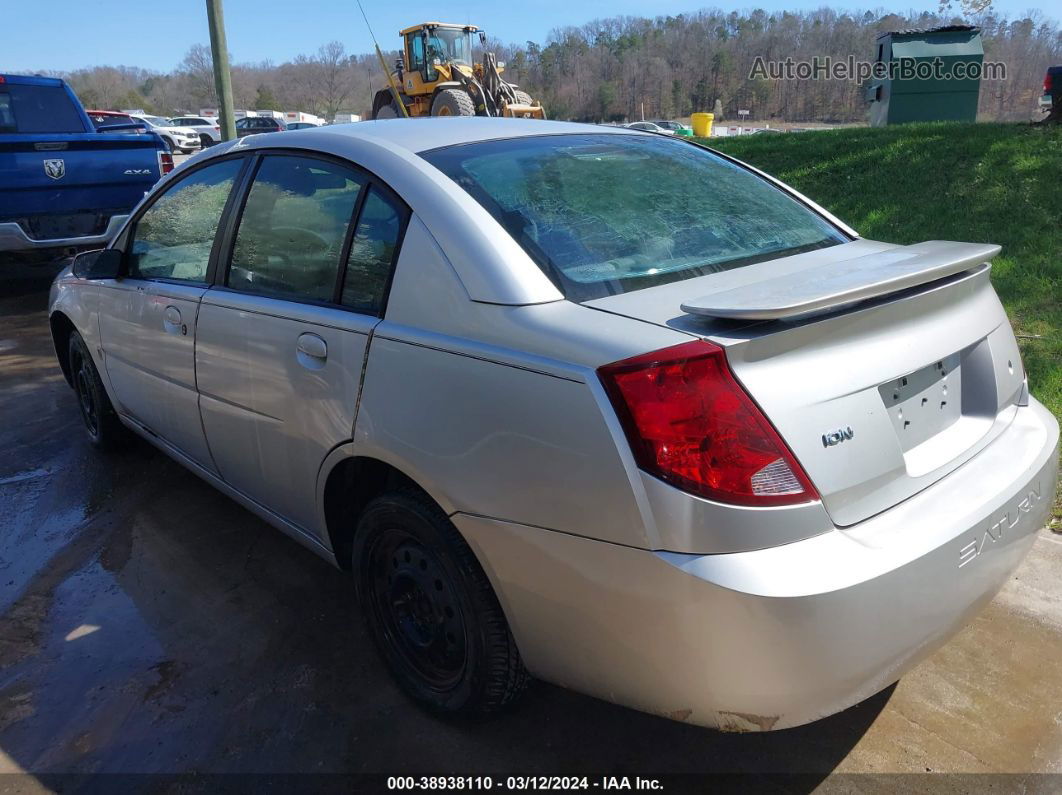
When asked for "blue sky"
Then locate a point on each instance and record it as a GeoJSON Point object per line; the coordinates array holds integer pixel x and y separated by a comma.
{"type": "Point", "coordinates": [67, 34]}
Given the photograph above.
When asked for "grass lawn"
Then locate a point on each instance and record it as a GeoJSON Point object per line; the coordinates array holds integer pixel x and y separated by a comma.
{"type": "Point", "coordinates": [986, 183]}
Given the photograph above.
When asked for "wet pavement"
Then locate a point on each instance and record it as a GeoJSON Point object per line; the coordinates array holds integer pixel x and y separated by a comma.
{"type": "Point", "coordinates": [150, 624]}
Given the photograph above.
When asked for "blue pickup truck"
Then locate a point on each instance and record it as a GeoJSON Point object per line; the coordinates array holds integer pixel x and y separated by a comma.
{"type": "Point", "coordinates": [64, 186]}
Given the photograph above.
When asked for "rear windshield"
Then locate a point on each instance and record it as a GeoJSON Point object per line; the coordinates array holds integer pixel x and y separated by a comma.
{"type": "Point", "coordinates": [607, 214]}
{"type": "Point", "coordinates": [38, 109]}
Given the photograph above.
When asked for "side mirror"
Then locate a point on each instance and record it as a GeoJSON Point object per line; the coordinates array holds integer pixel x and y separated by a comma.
{"type": "Point", "coordinates": [105, 263]}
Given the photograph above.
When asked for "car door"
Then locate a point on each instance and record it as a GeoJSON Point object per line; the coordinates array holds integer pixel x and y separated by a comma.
{"type": "Point", "coordinates": [148, 317]}
{"type": "Point", "coordinates": [281, 341]}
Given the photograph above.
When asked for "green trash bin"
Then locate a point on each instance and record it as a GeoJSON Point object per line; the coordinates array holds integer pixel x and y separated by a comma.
{"type": "Point", "coordinates": [932, 75]}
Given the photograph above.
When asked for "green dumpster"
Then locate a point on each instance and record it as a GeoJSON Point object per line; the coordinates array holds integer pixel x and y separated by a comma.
{"type": "Point", "coordinates": [926, 75]}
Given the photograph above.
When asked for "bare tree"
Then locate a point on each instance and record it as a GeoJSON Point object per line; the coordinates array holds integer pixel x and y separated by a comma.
{"type": "Point", "coordinates": [336, 83]}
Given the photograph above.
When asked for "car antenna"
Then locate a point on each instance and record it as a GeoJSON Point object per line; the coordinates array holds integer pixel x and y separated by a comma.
{"type": "Point", "coordinates": [383, 64]}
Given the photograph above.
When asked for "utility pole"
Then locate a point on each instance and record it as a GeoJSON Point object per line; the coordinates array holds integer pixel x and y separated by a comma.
{"type": "Point", "coordinates": [219, 51]}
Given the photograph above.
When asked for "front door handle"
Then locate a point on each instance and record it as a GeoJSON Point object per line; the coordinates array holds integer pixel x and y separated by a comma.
{"type": "Point", "coordinates": [311, 351]}
{"type": "Point", "coordinates": [171, 321]}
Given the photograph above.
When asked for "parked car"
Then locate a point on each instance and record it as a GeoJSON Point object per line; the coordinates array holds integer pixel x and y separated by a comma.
{"type": "Point", "coordinates": [109, 118]}
{"type": "Point", "coordinates": [561, 411]}
{"type": "Point", "coordinates": [1051, 100]}
{"type": "Point", "coordinates": [178, 139]}
{"type": "Point", "coordinates": [648, 126]}
{"type": "Point", "coordinates": [301, 125]}
{"type": "Point", "coordinates": [678, 128]}
{"type": "Point", "coordinates": [209, 130]}
{"type": "Point", "coordinates": [66, 186]}
{"type": "Point", "coordinates": [252, 125]}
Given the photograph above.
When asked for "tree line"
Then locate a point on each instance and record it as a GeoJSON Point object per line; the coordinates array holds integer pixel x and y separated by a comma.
{"type": "Point", "coordinates": [615, 69]}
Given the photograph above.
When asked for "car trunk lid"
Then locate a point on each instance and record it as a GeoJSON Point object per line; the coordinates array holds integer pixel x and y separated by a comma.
{"type": "Point", "coordinates": [882, 367]}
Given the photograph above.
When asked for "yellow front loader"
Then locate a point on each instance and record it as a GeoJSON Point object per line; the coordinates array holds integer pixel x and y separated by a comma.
{"type": "Point", "coordinates": [435, 76]}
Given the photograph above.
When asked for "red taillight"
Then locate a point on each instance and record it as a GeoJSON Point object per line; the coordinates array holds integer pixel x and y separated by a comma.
{"type": "Point", "coordinates": [1047, 83]}
{"type": "Point", "coordinates": [165, 163]}
{"type": "Point", "coordinates": [690, 423]}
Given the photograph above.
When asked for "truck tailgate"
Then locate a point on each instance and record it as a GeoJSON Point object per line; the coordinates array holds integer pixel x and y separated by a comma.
{"type": "Point", "coordinates": [89, 172]}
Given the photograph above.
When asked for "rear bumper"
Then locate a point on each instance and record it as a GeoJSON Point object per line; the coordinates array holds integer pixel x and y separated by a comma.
{"type": "Point", "coordinates": [783, 636]}
{"type": "Point", "coordinates": [14, 238]}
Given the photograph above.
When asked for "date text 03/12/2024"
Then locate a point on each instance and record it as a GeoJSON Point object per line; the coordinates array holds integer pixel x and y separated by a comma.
{"type": "Point", "coordinates": [522, 783]}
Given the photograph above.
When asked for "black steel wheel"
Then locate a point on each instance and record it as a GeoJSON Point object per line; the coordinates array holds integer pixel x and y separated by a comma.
{"type": "Point", "coordinates": [104, 428]}
{"type": "Point", "coordinates": [431, 610]}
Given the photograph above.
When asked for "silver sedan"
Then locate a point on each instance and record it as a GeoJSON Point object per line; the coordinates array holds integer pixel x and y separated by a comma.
{"type": "Point", "coordinates": [591, 404]}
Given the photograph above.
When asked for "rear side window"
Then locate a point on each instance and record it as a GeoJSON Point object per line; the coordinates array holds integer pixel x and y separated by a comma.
{"type": "Point", "coordinates": [173, 238]}
{"type": "Point", "coordinates": [372, 253]}
{"type": "Point", "coordinates": [607, 214]}
{"type": "Point", "coordinates": [293, 227]}
{"type": "Point", "coordinates": [38, 109]}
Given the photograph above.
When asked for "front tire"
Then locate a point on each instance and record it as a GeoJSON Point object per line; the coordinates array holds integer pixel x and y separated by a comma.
{"type": "Point", "coordinates": [431, 610]}
{"type": "Point", "coordinates": [452, 102]}
{"type": "Point", "coordinates": [105, 430]}
{"type": "Point", "coordinates": [169, 142]}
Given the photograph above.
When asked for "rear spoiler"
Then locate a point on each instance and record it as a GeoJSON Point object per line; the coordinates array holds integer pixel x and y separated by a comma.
{"type": "Point", "coordinates": [833, 285]}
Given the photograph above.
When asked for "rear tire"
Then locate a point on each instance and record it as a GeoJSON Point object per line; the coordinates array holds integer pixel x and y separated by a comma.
{"type": "Point", "coordinates": [452, 102]}
{"type": "Point", "coordinates": [431, 610]}
{"type": "Point", "coordinates": [388, 112]}
{"type": "Point", "coordinates": [105, 430]}
{"type": "Point", "coordinates": [522, 97]}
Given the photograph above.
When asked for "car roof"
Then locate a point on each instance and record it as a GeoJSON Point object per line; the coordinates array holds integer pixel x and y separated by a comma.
{"type": "Point", "coordinates": [31, 80]}
{"type": "Point", "coordinates": [421, 135]}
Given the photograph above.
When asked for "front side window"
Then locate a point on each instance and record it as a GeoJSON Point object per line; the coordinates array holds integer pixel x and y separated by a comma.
{"type": "Point", "coordinates": [607, 214]}
{"type": "Point", "coordinates": [372, 253]}
{"type": "Point", "coordinates": [173, 238]}
{"type": "Point", "coordinates": [416, 52]}
{"type": "Point", "coordinates": [243, 124]}
{"type": "Point", "coordinates": [293, 227]}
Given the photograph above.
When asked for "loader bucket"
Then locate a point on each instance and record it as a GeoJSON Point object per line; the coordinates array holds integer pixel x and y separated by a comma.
{"type": "Point", "coordinates": [515, 111]}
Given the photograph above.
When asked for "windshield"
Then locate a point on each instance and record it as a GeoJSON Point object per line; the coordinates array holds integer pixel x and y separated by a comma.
{"type": "Point", "coordinates": [156, 121]}
{"type": "Point", "coordinates": [607, 214]}
{"type": "Point", "coordinates": [450, 44]}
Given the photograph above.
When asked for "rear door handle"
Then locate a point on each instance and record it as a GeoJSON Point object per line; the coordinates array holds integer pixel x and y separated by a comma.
{"type": "Point", "coordinates": [311, 351]}
{"type": "Point", "coordinates": [171, 321]}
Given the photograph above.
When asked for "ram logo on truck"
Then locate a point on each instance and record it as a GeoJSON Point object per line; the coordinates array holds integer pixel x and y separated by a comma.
{"type": "Point", "coordinates": [56, 169]}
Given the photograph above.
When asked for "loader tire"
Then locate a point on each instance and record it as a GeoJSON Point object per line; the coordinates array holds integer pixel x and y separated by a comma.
{"type": "Point", "coordinates": [522, 97]}
{"type": "Point", "coordinates": [452, 102]}
{"type": "Point", "coordinates": [388, 112]}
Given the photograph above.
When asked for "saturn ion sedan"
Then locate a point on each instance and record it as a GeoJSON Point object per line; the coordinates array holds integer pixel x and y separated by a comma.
{"type": "Point", "coordinates": [593, 405]}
